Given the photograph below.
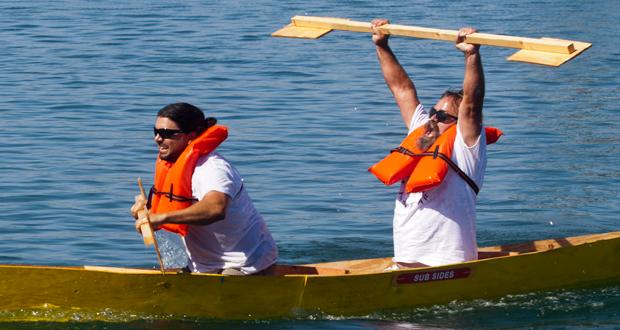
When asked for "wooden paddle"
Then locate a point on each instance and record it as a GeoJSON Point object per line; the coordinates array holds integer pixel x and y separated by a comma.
{"type": "Point", "coordinates": [148, 236]}
{"type": "Point", "coordinates": [545, 51]}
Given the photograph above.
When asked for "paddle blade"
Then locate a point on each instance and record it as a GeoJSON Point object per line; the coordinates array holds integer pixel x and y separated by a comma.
{"type": "Point", "coordinates": [292, 31]}
{"type": "Point", "coordinates": [547, 58]}
{"type": "Point", "coordinates": [145, 229]}
{"type": "Point", "coordinates": [147, 234]}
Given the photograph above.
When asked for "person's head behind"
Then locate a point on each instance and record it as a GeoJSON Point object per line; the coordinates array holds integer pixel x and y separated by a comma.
{"type": "Point", "coordinates": [451, 99]}
{"type": "Point", "coordinates": [441, 116]}
{"type": "Point", "coordinates": [176, 126]}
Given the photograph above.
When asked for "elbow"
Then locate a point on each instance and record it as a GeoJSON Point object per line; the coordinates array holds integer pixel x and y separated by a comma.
{"type": "Point", "coordinates": [212, 207]}
{"type": "Point", "coordinates": [218, 214]}
{"type": "Point", "coordinates": [403, 91]}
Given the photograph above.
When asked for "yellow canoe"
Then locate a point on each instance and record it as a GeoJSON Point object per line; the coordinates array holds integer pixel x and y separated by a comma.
{"type": "Point", "coordinates": [356, 287]}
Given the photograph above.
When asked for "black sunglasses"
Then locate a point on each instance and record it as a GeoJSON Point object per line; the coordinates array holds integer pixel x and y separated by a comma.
{"type": "Point", "coordinates": [442, 115]}
{"type": "Point", "coordinates": [166, 133]}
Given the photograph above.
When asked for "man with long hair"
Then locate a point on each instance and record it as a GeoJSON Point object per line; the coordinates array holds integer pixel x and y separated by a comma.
{"type": "Point", "coordinates": [198, 194]}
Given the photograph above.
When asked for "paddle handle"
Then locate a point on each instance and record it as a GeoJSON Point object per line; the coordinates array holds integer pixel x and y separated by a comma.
{"type": "Point", "coordinates": [545, 45]}
{"type": "Point", "coordinates": [147, 230]}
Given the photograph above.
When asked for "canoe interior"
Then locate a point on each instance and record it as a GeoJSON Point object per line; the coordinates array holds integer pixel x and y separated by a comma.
{"type": "Point", "coordinates": [379, 265]}
{"type": "Point", "coordinates": [369, 266]}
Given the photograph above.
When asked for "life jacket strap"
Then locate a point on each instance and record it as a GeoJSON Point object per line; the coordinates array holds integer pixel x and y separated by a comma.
{"type": "Point", "coordinates": [150, 199]}
{"type": "Point", "coordinates": [170, 195]}
{"type": "Point", "coordinates": [436, 154]}
{"type": "Point", "coordinates": [154, 191]}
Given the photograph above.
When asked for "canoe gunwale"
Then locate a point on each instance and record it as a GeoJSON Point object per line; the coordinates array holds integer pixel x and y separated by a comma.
{"type": "Point", "coordinates": [363, 266]}
{"type": "Point", "coordinates": [378, 265]}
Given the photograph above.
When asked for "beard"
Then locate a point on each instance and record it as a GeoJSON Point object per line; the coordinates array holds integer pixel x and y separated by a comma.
{"type": "Point", "coordinates": [428, 138]}
{"type": "Point", "coordinates": [168, 153]}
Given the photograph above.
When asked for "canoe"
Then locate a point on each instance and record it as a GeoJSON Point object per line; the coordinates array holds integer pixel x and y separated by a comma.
{"type": "Point", "coordinates": [342, 288]}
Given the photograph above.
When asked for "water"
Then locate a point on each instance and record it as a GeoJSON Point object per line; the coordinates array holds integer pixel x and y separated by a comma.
{"type": "Point", "coordinates": [80, 83]}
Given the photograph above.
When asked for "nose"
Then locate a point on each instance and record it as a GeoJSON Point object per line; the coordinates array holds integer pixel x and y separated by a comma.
{"type": "Point", "coordinates": [158, 138]}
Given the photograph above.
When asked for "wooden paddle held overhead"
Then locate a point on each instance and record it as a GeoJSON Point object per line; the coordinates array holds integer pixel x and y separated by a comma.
{"type": "Point", "coordinates": [545, 51]}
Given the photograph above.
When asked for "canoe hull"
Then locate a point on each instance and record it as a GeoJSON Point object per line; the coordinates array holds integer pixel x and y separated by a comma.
{"type": "Point", "coordinates": [570, 267]}
{"type": "Point", "coordinates": [148, 292]}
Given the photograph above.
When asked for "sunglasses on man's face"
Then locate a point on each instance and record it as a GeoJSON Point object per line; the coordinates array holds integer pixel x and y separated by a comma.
{"type": "Point", "coordinates": [166, 133]}
{"type": "Point", "coordinates": [442, 115]}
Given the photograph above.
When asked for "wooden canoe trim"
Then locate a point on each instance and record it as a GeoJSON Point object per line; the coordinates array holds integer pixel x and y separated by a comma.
{"type": "Point", "coordinates": [375, 265]}
{"type": "Point", "coordinates": [495, 254]}
{"type": "Point", "coordinates": [308, 270]}
{"type": "Point", "coordinates": [361, 266]}
{"type": "Point", "coordinates": [365, 266]}
{"type": "Point", "coordinates": [121, 270]}
{"type": "Point", "coordinates": [550, 244]}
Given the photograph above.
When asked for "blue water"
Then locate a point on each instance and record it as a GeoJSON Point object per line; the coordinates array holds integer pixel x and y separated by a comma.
{"type": "Point", "coordinates": [80, 83]}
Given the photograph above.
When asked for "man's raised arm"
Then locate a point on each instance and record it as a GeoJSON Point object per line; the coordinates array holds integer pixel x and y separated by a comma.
{"type": "Point", "coordinates": [395, 76]}
{"type": "Point", "coordinates": [470, 110]}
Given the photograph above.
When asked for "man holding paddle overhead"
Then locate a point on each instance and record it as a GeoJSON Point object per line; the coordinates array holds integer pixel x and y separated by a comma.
{"type": "Point", "coordinates": [440, 164]}
{"type": "Point", "coordinates": [198, 194]}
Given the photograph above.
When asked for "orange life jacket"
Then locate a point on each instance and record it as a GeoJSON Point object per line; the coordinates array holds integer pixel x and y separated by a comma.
{"type": "Point", "coordinates": [426, 169]}
{"type": "Point", "coordinates": [172, 187]}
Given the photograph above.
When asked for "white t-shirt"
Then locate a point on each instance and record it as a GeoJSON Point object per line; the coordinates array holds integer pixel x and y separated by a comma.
{"type": "Point", "coordinates": [241, 240]}
{"type": "Point", "coordinates": [438, 226]}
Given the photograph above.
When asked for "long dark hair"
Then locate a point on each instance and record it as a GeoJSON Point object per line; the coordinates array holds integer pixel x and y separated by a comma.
{"type": "Point", "coordinates": [189, 118]}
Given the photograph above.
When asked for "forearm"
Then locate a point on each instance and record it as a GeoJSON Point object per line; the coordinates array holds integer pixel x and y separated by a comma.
{"type": "Point", "coordinates": [470, 110]}
{"type": "Point", "coordinates": [204, 212]}
{"type": "Point", "coordinates": [398, 81]}
{"type": "Point", "coordinates": [394, 74]}
{"type": "Point", "coordinates": [473, 83]}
